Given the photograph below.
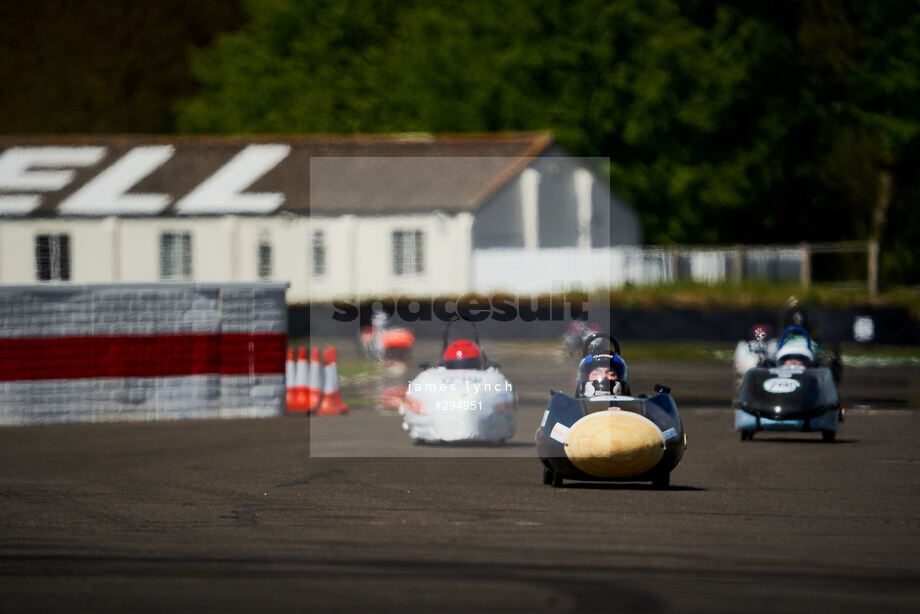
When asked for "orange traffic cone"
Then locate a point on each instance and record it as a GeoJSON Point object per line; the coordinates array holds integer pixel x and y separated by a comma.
{"type": "Point", "coordinates": [332, 404]}
{"type": "Point", "coordinates": [297, 394]}
{"type": "Point", "coordinates": [314, 391]}
{"type": "Point", "coordinates": [289, 370]}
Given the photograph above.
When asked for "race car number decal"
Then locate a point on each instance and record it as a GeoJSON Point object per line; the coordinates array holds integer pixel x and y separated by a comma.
{"type": "Point", "coordinates": [781, 385]}
{"type": "Point", "coordinates": [559, 432]}
{"type": "Point", "coordinates": [462, 405]}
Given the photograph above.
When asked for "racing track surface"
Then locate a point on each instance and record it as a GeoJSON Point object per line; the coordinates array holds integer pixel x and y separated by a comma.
{"type": "Point", "coordinates": [233, 516]}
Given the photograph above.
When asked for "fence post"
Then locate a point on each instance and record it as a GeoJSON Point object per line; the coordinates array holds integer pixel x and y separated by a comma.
{"type": "Point", "coordinates": [872, 281]}
{"type": "Point", "coordinates": [805, 267]}
{"type": "Point", "coordinates": [737, 263]}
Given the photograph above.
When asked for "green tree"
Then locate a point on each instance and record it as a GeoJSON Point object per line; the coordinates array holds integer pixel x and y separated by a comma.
{"type": "Point", "coordinates": [864, 63]}
{"type": "Point", "coordinates": [725, 122]}
{"type": "Point", "coordinates": [101, 66]}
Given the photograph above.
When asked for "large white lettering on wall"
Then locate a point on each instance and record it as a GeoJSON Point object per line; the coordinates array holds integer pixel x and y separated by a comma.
{"type": "Point", "coordinates": [222, 192]}
{"type": "Point", "coordinates": [31, 175]}
{"type": "Point", "coordinates": [39, 169]}
{"type": "Point", "coordinates": [106, 194]}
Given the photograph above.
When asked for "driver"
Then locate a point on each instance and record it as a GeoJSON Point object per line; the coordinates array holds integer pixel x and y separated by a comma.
{"type": "Point", "coordinates": [600, 374]}
{"type": "Point", "coordinates": [463, 354]}
{"type": "Point", "coordinates": [794, 354]}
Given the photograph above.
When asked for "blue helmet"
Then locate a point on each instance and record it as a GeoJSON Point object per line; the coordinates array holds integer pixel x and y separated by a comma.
{"type": "Point", "coordinates": [601, 374]}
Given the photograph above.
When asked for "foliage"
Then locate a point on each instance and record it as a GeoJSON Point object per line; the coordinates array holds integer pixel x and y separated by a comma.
{"type": "Point", "coordinates": [756, 294]}
{"type": "Point", "coordinates": [101, 66]}
{"type": "Point", "coordinates": [726, 122]}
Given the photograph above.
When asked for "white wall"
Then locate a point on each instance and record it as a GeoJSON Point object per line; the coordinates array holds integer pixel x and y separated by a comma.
{"type": "Point", "coordinates": [91, 245]}
{"type": "Point", "coordinates": [360, 255]}
{"type": "Point", "coordinates": [556, 269]}
{"type": "Point", "coordinates": [215, 248]}
{"type": "Point", "coordinates": [359, 258]}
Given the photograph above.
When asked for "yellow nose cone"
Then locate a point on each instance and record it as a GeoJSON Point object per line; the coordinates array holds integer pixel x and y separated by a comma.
{"type": "Point", "coordinates": [614, 444]}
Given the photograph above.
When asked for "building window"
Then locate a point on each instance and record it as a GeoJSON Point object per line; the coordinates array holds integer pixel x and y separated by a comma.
{"type": "Point", "coordinates": [265, 259]}
{"type": "Point", "coordinates": [408, 252]}
{"type": "Point", "coordinates": [175, 256]}
{"type": "Point", "coordinates": [52, 257]}
{"type": "Point", "coordinates": [319, 253]}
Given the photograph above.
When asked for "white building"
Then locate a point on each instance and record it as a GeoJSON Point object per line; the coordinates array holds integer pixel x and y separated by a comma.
{"type": "Point", "coordinates": [333, 216]}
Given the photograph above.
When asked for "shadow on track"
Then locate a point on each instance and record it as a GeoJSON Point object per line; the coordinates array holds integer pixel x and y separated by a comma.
{"type": "Point", "coordinates": [475, 444]}
{"type": "Point", "coordinates": [627, 486]}
{"type": "Point", "coordinates": [802, 441]}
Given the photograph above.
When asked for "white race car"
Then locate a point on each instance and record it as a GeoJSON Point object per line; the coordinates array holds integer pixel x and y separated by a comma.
{"type": "Point", "coordinates": [463, 398]}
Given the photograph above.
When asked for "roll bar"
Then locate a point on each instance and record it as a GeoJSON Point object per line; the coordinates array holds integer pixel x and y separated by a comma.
{"type": "Point", "coordinates": [589, 340]}
{"type": "Point", "coordinates": [795, 329]}
{"type": "Point", "coordinates": [454, 317]}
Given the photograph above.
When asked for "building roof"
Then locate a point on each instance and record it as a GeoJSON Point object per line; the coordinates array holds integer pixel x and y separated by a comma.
{"type": "Point", "coordinates": [178, 175]}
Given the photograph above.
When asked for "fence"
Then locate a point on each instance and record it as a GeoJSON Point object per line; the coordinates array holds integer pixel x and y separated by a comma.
{"type": "Point", "coordinates": [141, 352]}
{"type": "Point", "coordinates": [563, 269]}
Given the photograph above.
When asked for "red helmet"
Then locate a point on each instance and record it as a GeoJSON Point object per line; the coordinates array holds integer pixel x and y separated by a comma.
{"type": "Point", "coordinates": [761, 332]}
{"type": "Point", "coordinates": [463, 354]}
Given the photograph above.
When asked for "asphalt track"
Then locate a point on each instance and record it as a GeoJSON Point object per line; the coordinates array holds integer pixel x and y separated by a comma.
{"type": "Point", "coordinates": [344, 514]}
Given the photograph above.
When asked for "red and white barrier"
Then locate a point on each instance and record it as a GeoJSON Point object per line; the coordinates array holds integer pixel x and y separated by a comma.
{"type": "Point", "coordinates": [117, 352]}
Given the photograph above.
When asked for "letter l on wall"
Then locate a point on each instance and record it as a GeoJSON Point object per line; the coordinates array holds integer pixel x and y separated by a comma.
{"type": "Point", "coordinates": [106, 193]}
{"type": "Point", "coordinates": [222, 192]}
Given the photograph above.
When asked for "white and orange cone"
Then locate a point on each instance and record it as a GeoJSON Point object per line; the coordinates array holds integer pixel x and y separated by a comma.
{"type": "Point", "coordinates": [332, 404]}
{"type": "Point", "coordinates": [289, 370]}
{"type": "Point", "coordinates": [297, 394]}
{"type": "Point", "coordinates": [314, 390]}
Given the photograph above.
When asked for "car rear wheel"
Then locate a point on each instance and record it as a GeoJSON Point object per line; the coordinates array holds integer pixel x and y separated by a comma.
{"type": "Point", "coordinates": [662, 480]}
{"type": "Point", "coordinates": [547, 476]}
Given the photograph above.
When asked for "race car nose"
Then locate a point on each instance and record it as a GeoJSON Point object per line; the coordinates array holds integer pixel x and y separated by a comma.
{"type": "Point", "coordinates": [614, 444]}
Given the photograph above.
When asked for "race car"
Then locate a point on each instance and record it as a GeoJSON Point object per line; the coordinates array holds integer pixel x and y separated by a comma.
{"type": "Point", "coordinates": [381, 342]}
{"type": "Point", "coordinates": [796, 316]}
{"type": "Point", "coordinates": [464, 398]}
{"type": "Point", "coordinates": [760, 350]}
{"type": "Point", "coordinates": [602, 433]}
{"type": "Point", "coordinates": [794, 395]}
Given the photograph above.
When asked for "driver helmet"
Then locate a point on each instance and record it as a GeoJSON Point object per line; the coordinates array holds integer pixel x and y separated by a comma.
{"type": "Point", "coordinates": [794, 350]}
{"type": "Point", "coordinates": [798, 317]}
{"type": "Point", "coordinates": [600, 374]}
{"type": "Point", "coordinates": [761, 332]}
{"type": "Point", "coordinates": [600, 346]}
{"type": "Point", "coordinates": [463, 354]}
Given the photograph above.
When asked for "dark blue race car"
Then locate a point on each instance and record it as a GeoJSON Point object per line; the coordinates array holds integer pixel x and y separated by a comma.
{"type": "Point", "coordinates": [603, 434]}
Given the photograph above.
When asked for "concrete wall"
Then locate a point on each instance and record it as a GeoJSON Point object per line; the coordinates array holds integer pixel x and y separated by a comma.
{"type": "Point", "coordinates": [141, 352]}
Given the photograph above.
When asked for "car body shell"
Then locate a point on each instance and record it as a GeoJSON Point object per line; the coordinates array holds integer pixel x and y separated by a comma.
{"type": "Point", "coordinates": [460, 405]}
{"type": "Point", "coordinates": [791, 398]}
{"type": "Point", "coordinates": [565, 414]}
